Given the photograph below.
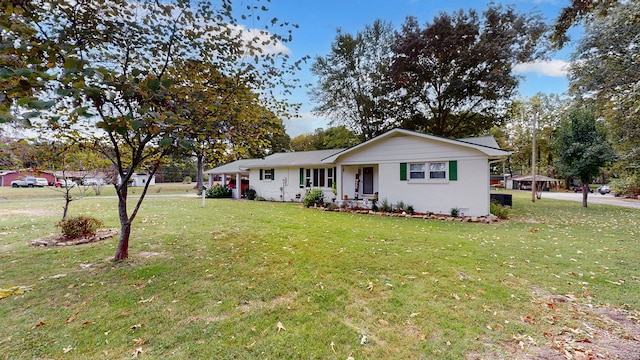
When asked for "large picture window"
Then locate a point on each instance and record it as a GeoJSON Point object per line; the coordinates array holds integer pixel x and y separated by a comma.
{"type": "Point", "coordinates": [319, 177]}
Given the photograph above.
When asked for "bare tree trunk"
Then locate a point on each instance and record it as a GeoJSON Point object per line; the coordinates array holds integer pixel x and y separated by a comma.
{"type": "Point", "coordinates": [585, 193]}
{"type": "Point", "coordinates": [67, 200]}
{"type": "Point", "coordinates": [122, 251]}
{"type": "Point", "coordinates": [199, 178]}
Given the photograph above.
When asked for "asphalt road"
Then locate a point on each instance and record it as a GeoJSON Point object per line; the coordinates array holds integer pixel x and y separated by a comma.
{"type": "Point", "coordinates": [594, 198]}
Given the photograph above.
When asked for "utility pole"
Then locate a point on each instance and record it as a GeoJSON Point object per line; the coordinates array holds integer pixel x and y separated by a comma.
{"type": "Point", "coordinates": [533, 158]}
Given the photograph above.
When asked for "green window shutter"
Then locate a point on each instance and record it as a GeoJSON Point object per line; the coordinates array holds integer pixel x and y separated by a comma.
{"type": "Point", "coordinates": [301, 176]}
{"type": "Point", "coordinates": [453, 170]}
{"type": "Point", "coordinates": [403, 171]}
{"type": "Point", "coordinates": [273, 174]}
{"type": "Point", "coordinates": [260, 174]}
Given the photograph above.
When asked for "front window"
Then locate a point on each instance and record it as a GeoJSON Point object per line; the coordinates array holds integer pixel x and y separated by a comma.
{"type": "Point", "coordinates": [268, 175]}
{"type": "Point", "coordinates": [416, 171]}
{"type": "Point", "coordinates": [319, 177]}
{"type": "Point", "coordinates": [437, 170]}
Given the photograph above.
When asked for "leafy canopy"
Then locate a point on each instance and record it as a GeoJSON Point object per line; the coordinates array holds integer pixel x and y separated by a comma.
{"type": "Point", "coordinates": [605, 67]}
{"type": "Point", "coordinates": [107, 69]}
{"type": "Point", "coordinates": [454, 76]}
{"type": "Point", "coordinates": [352, 88]}
{"type": "Point", "coordinates": [581, 146]}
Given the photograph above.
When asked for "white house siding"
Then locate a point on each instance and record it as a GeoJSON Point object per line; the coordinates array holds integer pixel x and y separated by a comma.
{"type": "Point", "coordinates": [290, 178]}
{"type": "Point", "coordinates": [469, 193]}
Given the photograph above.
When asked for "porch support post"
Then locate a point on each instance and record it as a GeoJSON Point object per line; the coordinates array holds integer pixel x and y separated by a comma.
{"type": "Point", "coordinates": [238, 186]}
{"type": "Point", "coordinates": [339, 184]}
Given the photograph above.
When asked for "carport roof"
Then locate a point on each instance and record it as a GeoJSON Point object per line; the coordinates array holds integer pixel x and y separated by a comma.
{"type": "Point", "coordinates": [296, 158]}
{"type": "Point", "coordinates": [529, 178]}
{"type": "Point", "coordinates": [231, 168]}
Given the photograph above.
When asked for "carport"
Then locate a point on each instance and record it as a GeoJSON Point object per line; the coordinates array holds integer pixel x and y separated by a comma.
{"type": "Point", "coordinates": [229, 171]}
{"type": "Point", "coordinates": [523, 182]}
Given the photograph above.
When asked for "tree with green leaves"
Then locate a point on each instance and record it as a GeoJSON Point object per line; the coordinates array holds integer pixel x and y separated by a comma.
{"type": "Point", "coordinates": [233, 122]}
{"type": "Point", "coordinates": [103, 69]}
{"type": "Point", "coordinates": [545, 110]}
{"type": "Point", "coordinates": [578, 11]}
{"type": "Point", "coordinates": [335, 137]}
{"type": "Point", "coordinates": [605, 68]}
{"type": "Point", "coordinates": [581, 147]}
{"type": "Point", "coordinates": [353, 86]}
{"type": "Point", "coordinates": [454, 76]}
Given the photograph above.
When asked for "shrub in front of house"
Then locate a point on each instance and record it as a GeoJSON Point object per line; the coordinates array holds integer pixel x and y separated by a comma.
{"type": "Point", "coordinates": [218, 192]}
{"type": "Point", "coordinates": [313, 197]}
{"type": "Point", "coordinates": [250, 193]}
{"type": "Point", "coordinates": [502, 212]}
{"type": "Point", "coordinates": [79, 226]}
{"type": "Point", "coordinates": [385, 206]}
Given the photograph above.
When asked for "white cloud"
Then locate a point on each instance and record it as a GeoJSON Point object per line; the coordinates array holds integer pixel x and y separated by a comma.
{"type": "Point", "coordinates": [553, 68]}
{"type": "Point", "coordinates": [304, 124]}
{"type": "Point", "coordinates": [268, 44]}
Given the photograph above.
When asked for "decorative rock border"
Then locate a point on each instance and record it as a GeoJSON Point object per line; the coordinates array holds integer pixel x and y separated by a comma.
{"type": "Point", "coordinates": [487, 219]}
{"type": "Point", "coordinates": [60, 240]}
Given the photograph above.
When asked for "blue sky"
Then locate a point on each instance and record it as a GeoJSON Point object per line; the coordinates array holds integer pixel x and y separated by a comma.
{"type": "Point", "coordinates": [319, 20]}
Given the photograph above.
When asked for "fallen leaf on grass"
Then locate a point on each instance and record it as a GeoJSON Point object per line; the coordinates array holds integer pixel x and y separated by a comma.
{"type": "Point", "coordinates": [57, 276]}
{"type": "Point", "coordinates": [528, 319]}
{"type": "Point", "coordinates": [14, 290]}
{"type": "Point", "coordinates": [383, 322]}
{"type": "Point", "coordinates": [139, 341]}
{"type": "Point", "coordinates": [363, 340]}
{"type": "Point", "coordinates": [137, 352]}
{"type": "Point", "coordinates": [41, 323]}
{"type": "Point", "coordinates": [67, 349]}
{"type": "Point", "coordinates": [250, 346]}
{"type": "Point", "coordinates": [585, 340]}
{"type": "Point", "coordinates": [146, 300]}
{"type": "Point", "coordinates": [280, 326]}
{"type": "Point", "coordinates": [137, 326]}
{"type": "Point", "coordinates": [72, 317]}
{"type": "Point", "coordinates": [88, 323]}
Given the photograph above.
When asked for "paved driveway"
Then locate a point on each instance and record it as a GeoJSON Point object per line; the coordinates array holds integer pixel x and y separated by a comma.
{"type": "Point", "coordinates": [594, 198]}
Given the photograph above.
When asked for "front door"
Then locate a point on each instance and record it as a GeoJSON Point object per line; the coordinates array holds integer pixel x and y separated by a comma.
{"type": "Point", "coordinates": [367, 181]}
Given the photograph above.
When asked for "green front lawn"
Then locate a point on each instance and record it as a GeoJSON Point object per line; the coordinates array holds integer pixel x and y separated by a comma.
{"type": "Point", "coordinates": [263, 280]}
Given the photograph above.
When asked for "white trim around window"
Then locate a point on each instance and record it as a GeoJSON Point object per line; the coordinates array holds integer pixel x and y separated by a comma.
{"type": "Point", "coordinates": [433, 172]}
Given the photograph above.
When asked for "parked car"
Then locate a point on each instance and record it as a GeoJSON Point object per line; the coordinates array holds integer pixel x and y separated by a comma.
{"type": "Point", "coordinates": [42, 182]}
{"type": "Point", "coordinates": [604, 189]}
{"type": "Point", "coordinates": [92, 182]}
{"type": "Point", "coordinates": [579, 189]}
{"type": "Point", "coordinates": [28, 181]}
{"type": "Point", "coordinates": [65, 183]}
